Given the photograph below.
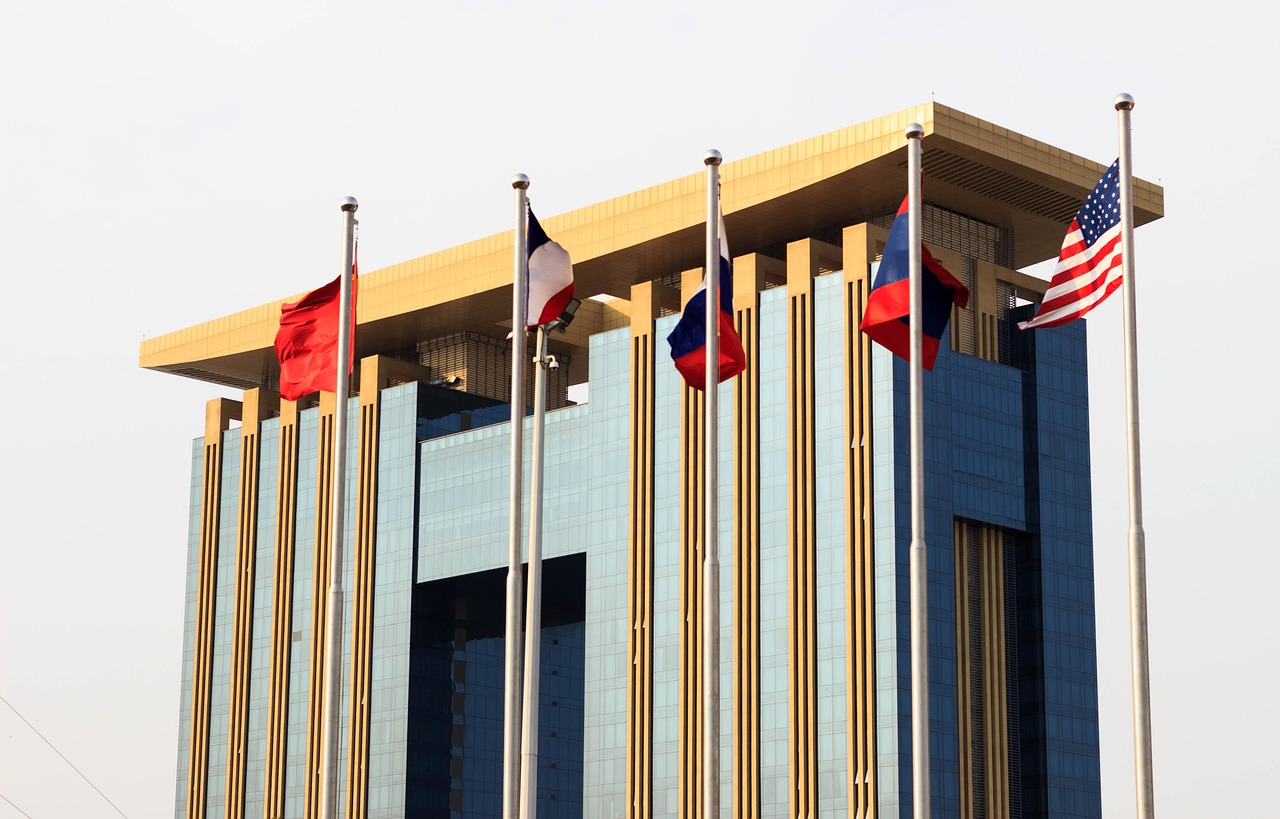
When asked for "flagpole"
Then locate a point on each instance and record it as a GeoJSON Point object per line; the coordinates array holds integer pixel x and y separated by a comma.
{"type": "Point", "coordinates": [511, 686]}
{"type": "Point", "coordinates": [711, 564]}
{"type": "Point", "coordinates": [533, 606]}
{"type": "Point", "coordinates": [1145, 780]}
{"type": "Point", "coordinates": [919, 562]}
{"type": "Point", "coordinates": [333, 620]}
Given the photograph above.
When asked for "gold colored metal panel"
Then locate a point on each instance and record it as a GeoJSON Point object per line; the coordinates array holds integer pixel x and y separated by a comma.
{"type": "Point", "coordinates": [319, 607]}
{"type": "Point", "coordinates": [257, 407]}
{"type": "Point", "coordinates": [376, 373]}
{"type": "Point", "coordinates": [219, 413]}
{"type": "Point", "coordinates": [862, 244]}
{"type": "Point", "coordinates": [692, 509]}
{"type": "Point", "coordinates": [981, 655]}
{"type": "Point", "coordinates": [748, 278]}
{"type": "Point", "coordinates": [639, 740]}
{"type": "Point", "coordinates": [281, 613]}
{"type": "Point", "coordinates": [803, 259]}
{"type": "Point", "coordinates": [841, 178]}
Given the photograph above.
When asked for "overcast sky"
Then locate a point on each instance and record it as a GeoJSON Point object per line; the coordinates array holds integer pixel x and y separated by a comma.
{"type": "Point", "coordinates": [165, 163]}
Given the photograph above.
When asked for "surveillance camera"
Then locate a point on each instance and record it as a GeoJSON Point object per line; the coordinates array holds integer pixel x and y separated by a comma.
{"type": "Point", "coordinates": [552, 363]}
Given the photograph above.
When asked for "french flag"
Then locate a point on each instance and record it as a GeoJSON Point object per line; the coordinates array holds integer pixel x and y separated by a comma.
{"type": "Point", "coordinates": [887, 319]}
{"type": "Point", "coordinates": [689, 338]}
{"type": "Point", "coordinates": [550, 284]}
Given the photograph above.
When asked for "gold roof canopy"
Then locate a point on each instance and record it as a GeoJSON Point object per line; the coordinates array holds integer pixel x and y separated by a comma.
{"type": "Point", "coordinates": [838, 179]}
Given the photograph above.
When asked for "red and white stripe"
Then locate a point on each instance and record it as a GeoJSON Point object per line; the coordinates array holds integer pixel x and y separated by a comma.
{"type": "Point", "coordinates": [1084, 277]}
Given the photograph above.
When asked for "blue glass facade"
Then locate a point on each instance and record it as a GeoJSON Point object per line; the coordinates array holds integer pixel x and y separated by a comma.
{"type": "Point", "coordinates": [995, 437]}
{"type": "Point", "coordinates": [1006, 447]}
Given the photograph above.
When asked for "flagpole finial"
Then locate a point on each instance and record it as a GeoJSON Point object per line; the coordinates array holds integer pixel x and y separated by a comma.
{"type": "Point", "coordinates": [349, 204]}
{"type": "Point", "coordinates": [1124, 102]}
{"type": "Point", "coordinates": [520, 182]}
{"type": "Point", "coordinates": [915, 131]}
{"type": "Point", "coordinates": [712, 157]}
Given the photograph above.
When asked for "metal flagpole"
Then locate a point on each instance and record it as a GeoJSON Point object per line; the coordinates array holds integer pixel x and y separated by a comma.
{"type": "Point", "coordinates": [919, 562]}
{"type": "Point", "coordinates": [711, 565]}
{"type": "Point", "coordinates": [333, 620]}
{"type": "Point", "coordinates": [1145, 782]}
{"type": "Point", "coordinates": [511, 689]}
{"type": "Point", "coordinates": [533, 609]}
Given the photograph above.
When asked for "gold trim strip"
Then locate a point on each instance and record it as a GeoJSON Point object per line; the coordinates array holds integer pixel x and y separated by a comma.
{"type": "Point", "coordinates": [319, 606]}
{"type": "Point", "coordinates": [282, 614]}
{"type": "Point", "coordinates": [983, 706]}
{"type": "Point", "coordinates": [692, 507]}
{"type": "Point", "coordinates": [749, 274]}
{"type": "Point", "coordinates": [801, 537]}
{"type": "Point", "coordinates": [639, 741]}
{"type": "Point", "coordinates": [219, 412]}
{"type": "Point", "coordinates": [376, 373]}
{"type": "Point", "coordinates": [964, 666]}
{"type": "Point", "coordinates": [860, 249]}
{"type": "Point", "coordinates": [256, 408]}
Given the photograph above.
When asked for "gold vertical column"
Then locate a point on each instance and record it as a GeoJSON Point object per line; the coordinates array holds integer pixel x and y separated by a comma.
{"type": "Point", "coordinates": [282, 613]}
{"type": "Point", "coordinates": [802, 640]}
{"type": "Point", "coordinates": [692, 507]}
{"type": "Point", "coordinates": [861, 244]}
{"type": "Point", "coordinates": [749, 273]}
{"type": "Point", "coordinates": [996, 723]}
{"type": "Point", "coordinates": [964, 671]}
{"type": "Point", "coordinates": [218, 415]}
{"type": "Point", "coordinates": [256, 409]}
{"type": "Point", "coordinates": [985, 303]}
{"type": "Point", "coordinates": [374, 376]}
{"type": "Point", "coordinates": [980, 664]}
{"type": "Point", "coordinates": [639, 756]}
{"type": "Point", "coordinates": [319, 605]}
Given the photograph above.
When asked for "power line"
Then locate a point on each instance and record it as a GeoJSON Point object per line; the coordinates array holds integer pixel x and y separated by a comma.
{"type": "Point", "coordinates": [64, 759]}
{"type": "Point", "coordinates": [10, 801]}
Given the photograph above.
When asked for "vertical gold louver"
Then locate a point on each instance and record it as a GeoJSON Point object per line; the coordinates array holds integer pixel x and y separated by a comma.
{"type": "Point", "coordinates": [860, 243]}
{"type": "Point", "coordinates": [639, 756]}
{"type": "Point", "coordinates": [257, 407]}
{"type": "Point", "coordinates": [692, 509]}
{"type": "Point", "coordinates": [802, 263]}
{"type": "Point", "coordinates": [981, 678]}
{"type": "Point", "coordinates": [319, 607]}
{"type": "Point", "coordinates": [282, 614]}
{"type": "Point", "coordinates": [372, 380]}
{"type": "Point", "coordinates": [218, 414]}
{"type": "Point", "coordinates": [748, 279]}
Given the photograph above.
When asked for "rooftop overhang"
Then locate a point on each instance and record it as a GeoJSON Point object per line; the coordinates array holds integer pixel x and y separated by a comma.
{"type": "Point", "coordinates": [843, 178]}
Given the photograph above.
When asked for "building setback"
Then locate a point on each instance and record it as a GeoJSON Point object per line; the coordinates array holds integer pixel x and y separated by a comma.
{"type": "Point", "coordinates": [814, 507]}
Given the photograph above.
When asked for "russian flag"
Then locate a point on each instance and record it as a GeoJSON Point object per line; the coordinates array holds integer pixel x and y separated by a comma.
{"type": "Point", "coordinates": [550, 283]}
{"type": "Point", "coordinates": [887, 319]}
{"type": "Point", "coordinates": [689, 338]}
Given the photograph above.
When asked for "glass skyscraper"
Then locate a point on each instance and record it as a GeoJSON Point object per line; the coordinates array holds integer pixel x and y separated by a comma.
{"type": "Point", "coordinates": [813, 505]}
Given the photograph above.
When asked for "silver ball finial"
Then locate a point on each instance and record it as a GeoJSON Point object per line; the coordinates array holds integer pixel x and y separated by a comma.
{"type": "Point", "coordinates": [349, 204]}
{"type": "Point", "coordinates": [712, 157]}
{"type": "Point", "coordinates": [1124, 102]}
{"type": "Point", "coordinates": [915, 131]}
{"type": "Point", "coordinates": [520, 181]}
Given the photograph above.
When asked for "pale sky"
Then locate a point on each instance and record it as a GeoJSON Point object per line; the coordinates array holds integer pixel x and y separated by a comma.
{"type": "Point", "coordinates": [166, 163]}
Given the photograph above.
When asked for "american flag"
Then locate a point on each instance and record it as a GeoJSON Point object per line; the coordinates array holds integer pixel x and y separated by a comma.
{"type": "Point", "coordinates": [1089, 267]}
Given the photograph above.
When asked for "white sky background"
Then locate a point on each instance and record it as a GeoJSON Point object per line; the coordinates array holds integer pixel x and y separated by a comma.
{"type": "Point", "coordinates": [165, 163]}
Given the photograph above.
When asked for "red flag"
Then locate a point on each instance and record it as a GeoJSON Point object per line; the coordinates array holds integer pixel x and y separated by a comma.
{"type": "Point", "coordinates": [307, 342]}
